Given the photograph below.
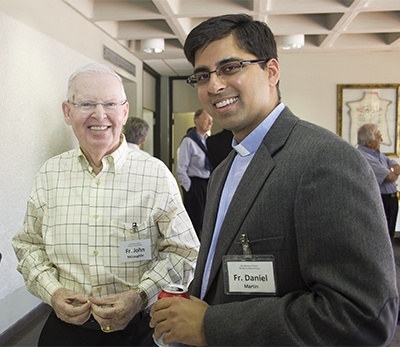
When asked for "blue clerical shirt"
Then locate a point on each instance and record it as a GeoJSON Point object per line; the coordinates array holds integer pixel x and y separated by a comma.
{"type": "Point", "coordinates": [246, 150]}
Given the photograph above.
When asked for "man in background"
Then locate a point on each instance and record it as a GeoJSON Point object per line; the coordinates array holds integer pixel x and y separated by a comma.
{"type": "Point", "coordinates": [194, 168]}
{"type": "Point", "coordinates": [105, 227]}
{"type": "Point", "coordinates": [135, 130]}
{"type": "Point", "coordinates": [386, 170]}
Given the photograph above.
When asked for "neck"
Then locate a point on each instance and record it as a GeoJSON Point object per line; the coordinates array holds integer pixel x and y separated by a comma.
{"type": "Point", "coordinates": [202, 133]}
{"type": "Point", "coordinates": [94, 160]}
{"type": "Point", "coordinates": [95, 157]}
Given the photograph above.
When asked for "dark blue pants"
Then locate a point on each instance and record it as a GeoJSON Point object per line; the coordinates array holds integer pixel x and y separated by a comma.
{"type": "Point", "coordinates": [195, 202]}
{"type": "Point", "coordinates": [391, 206]}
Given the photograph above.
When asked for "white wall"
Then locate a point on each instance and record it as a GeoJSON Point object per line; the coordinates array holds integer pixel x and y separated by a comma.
{"type": "Point", "coordinates": [33, 85]}
{"type": "Point", "coordinates": [39, 51]}
{"type": "Point", "coordinates": [309, 81]}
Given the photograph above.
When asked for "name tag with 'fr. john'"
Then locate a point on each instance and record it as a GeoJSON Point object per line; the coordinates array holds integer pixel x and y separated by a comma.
{"type": "Point", "coordinates": [135, 250]}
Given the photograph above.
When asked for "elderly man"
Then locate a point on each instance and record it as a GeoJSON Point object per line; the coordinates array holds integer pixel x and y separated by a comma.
{"type": "Point", "coordinates": [105, 227]}
{"type": "Point", "coordinates": [386, 171]}
{"type": "Point", "coordinates": [136, 130]}
{"type": "Point", "coordinates": [194, 168]}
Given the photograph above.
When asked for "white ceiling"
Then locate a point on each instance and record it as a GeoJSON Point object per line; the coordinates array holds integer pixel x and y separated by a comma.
{"type": "Point", "coordinates": [328, 25]}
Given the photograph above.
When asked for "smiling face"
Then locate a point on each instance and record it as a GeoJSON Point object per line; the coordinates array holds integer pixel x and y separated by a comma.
{"type": "Point", "coordinates": [97, 131]}
{"type": "Point", "coordinates": [242, 101]}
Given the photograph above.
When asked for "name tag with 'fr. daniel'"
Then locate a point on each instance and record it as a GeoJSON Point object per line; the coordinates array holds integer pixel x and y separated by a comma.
{"type": "Point", "coordinates": [249, 275]}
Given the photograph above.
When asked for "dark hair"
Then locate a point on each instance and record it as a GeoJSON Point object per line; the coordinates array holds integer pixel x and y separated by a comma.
{"type": "Point", "coordinates": [136, 130]}
{"type": "Point", "coordinates": [252, 36]}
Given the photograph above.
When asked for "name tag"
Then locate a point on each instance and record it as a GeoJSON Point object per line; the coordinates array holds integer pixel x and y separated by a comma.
{"type": "Point", "coordinates": [135, 250]}
{"type": "Point", "coordinates": [249, 275]}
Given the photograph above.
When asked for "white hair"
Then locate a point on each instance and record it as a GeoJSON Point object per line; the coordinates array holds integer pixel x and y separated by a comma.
{"type": "Point", "coordinates": [92, 68]}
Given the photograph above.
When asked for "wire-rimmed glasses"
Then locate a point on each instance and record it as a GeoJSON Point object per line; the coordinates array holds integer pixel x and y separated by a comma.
{"type": "Point", "coordinates": [224, 71]}
{"type": "Point", "coordinates": [90, 106]}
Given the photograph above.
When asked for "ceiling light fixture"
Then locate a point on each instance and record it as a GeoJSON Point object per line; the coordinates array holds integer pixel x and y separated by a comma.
{"type": "Point", "coordinates": [152, 45]}
{"type": "Point", "coordinates": [292, 41]}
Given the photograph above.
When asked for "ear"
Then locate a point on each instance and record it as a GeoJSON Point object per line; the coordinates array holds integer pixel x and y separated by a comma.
{"type": "Point", "coordinates": [66, 107]}
{"type": "Point", "coordinates": [126, 113]}
{"type": "Point", "coordinates": [274, 71]}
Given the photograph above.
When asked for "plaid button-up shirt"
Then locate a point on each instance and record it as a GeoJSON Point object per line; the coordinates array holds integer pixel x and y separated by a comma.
{"type": "Point", "coordinates": [76, 223]}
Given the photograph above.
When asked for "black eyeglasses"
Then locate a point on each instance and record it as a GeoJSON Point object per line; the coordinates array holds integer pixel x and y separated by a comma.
{"type": "Point", "coordinates": [223, 71]}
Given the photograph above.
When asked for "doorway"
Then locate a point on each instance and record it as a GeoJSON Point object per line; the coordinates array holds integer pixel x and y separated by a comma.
{"type": "Point", "coordinates": [148, 145]}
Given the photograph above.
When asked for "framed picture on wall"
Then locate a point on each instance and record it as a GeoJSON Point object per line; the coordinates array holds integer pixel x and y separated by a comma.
{"type": "Point", "coordinates": [358, 104]}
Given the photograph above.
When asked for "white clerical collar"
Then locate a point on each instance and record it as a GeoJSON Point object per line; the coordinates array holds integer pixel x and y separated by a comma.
{"type": "Point", "coordinates": [239, 148]}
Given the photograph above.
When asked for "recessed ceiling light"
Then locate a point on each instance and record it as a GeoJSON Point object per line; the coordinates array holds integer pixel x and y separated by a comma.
{"type": "Point", "coordinates": [152, 45]}
{"type": "Point", "coordinates": [292, 41]}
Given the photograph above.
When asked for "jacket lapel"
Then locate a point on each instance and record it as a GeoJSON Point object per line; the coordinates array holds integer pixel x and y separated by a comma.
{"type": "Point", "coordinates": [216, 183]}
{"type": "Point", "coordinates": [246, 192]}
{"type": "Point", "coordinates": [252, 182]}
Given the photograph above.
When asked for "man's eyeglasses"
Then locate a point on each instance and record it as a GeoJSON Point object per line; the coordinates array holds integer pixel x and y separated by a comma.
{"type": "Point", "coordinates": [88, 106]}
{"type": "Point", "coordinates": [201, 78]}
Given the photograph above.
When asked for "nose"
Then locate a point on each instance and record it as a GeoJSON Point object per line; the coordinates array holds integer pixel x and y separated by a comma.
{"type": "Point", "coordinates": [99, 112]}
{"type": "Point", "coordinates": [216, 83]}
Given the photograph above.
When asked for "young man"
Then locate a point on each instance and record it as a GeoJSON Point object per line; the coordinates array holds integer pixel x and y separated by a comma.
{"type": "Point", "coordinates": [294, 248]}
{"type": "Point", "coordinates": [105, 227]}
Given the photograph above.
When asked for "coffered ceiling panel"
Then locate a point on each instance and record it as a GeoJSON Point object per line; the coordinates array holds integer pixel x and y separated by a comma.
{"type": "Point", "coordinates": [328, 25]}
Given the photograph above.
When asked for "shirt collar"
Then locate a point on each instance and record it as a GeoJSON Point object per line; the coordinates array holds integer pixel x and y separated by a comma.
{"type": "Point", "coordinates": [369, 150]}
{"type": "Point", "coordinates": [115, 159]}
{"type": "Point", "coordinates": [251, 142]}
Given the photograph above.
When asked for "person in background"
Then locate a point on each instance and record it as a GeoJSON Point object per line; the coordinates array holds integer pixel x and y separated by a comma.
{"type": "Point", "coordinates": [219, 146]}
{"type": "Point", "coordinates": [386, 171]}
{"type": "Point", "coordinates": [135, 130]}
{"type": "Point", "coordinates": [194, 168]}
{"type": "Point", "coordinates": [105, 227]}
{"type": "Point", "coordinates": [294, 248]}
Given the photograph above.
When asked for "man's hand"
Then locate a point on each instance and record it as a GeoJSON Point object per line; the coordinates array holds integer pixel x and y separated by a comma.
{"type": "Point", "coordinates": [116, 311]}
{"type": "Point", "coordinates": [70, 306]}
{"type": "Point", "coordinates": [395, 169]}
{"type": "Point", "coordinates": [179, 320]}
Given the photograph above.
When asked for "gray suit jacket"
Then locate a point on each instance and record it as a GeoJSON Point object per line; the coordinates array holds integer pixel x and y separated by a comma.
{"type": "Point", "coordinates": [311, 200]}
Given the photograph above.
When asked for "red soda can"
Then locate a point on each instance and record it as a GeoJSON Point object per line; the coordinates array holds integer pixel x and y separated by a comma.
{"type": "Point", "coordinates": [170, 291]}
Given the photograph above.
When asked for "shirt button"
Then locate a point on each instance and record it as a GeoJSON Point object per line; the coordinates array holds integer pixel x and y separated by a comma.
{"type": "Point", "coordinates": [96, 252]}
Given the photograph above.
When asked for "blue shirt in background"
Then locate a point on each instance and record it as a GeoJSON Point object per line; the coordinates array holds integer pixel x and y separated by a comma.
{"type": "Point", "coordinates": [380, 164]}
